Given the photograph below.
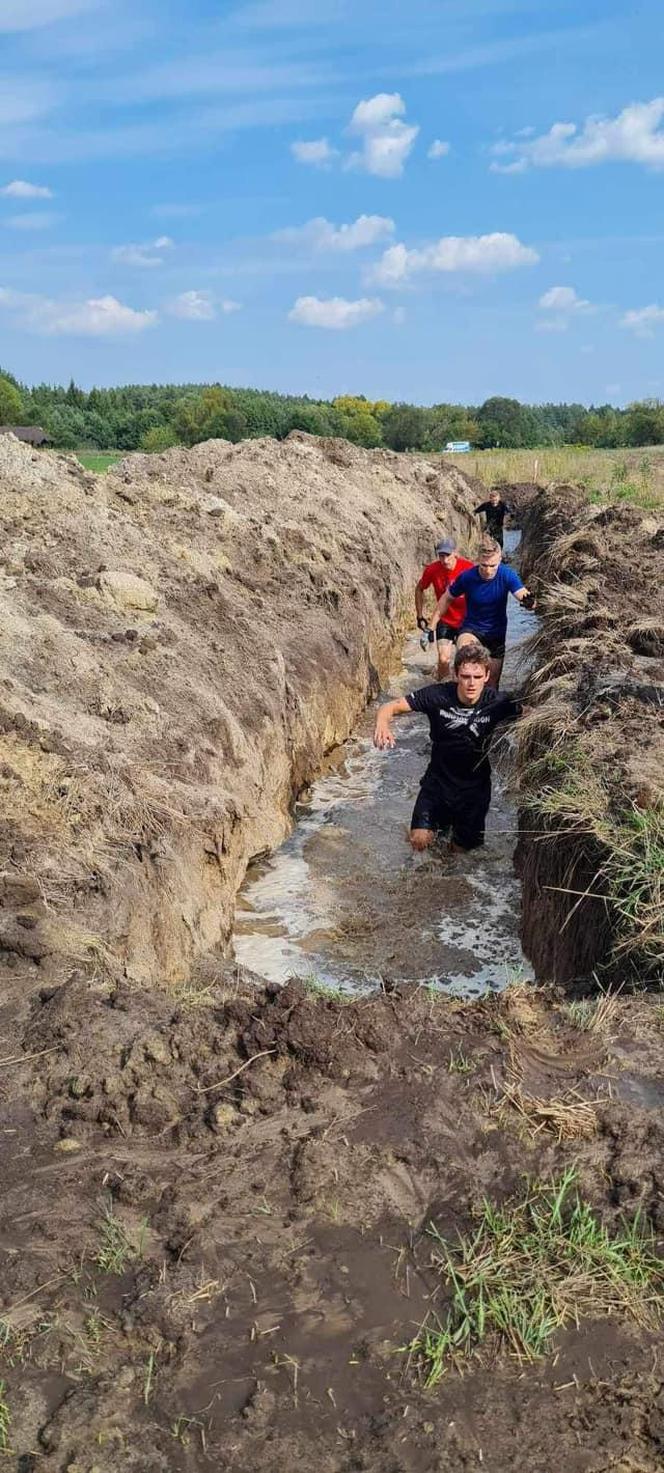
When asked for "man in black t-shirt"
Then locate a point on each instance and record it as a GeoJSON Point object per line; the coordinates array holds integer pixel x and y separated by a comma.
{"type": "Point", "coordinates": [495, 510]}
{"type": "Point", "coordinates": [455, 791]}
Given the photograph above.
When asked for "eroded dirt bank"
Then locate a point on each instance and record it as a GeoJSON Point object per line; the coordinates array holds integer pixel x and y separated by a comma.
{"type": "Point", "coordinates": [181, 641]}
{"type": "Point", "coordinates": [591, 855]}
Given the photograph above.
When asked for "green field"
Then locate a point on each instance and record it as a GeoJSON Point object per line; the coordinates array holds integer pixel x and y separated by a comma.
{"type": "Point", "coordinates": [607, 475]}
{"type": "Point", "coordinates": [98, 460]}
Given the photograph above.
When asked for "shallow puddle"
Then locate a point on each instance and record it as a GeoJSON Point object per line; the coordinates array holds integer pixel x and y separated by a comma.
{"type": "Point", "coordinates": [345, 900]}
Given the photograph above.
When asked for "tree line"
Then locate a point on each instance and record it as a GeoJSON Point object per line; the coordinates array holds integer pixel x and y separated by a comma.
{"type": "Point", "coordinates": [153, 417]}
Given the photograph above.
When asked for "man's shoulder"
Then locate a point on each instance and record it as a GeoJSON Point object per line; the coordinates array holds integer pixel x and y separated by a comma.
{"type": "Point", "coordinates": [464, 565]}
{"type": "Point", "coordinates": [465, 574]}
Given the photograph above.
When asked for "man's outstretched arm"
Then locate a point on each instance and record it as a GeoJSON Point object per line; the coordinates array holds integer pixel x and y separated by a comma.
{"type": "Point", "coordinates": [441, 609]}
{"type": "Point", "coordinates": [383, 734]}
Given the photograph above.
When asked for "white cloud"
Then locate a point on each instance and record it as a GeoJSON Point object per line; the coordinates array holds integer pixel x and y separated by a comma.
{"type": "Point", "coordinates": [35, 220]}
{"type": "Point", "coordinates": [321, 235]}
{"type": "Point", "coordinates": [438, 149]}
{"type": "Point", "coordinates": [386, 139]}
{"type": "Point", "coordinates": [98, 317]}
{"type": "Point", "coordinates": [194, 306]}
{"type": "Point", "coordinates": [334, 312]}
{"type": "Point", "coordinates": [562, 299]}
{"type": "Point", "coordinates": [142, 255]}
{"type": "Point", "coordinates": [316, 151]}
{"type": "Point", "coordinates": [643, 320]}
{"type": "Point", "coordinates": [474, 253]}
{"type": "Point", "coordinates": [20, 189]}
{"type": "Point", "coordinates": [635, 136]}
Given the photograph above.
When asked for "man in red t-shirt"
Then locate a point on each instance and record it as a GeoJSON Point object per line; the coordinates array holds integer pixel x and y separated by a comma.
{"type": "Point", "coordinates": [439, 575]}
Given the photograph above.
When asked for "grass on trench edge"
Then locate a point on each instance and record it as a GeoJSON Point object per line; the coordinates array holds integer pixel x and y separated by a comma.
{"type": "Point", "coordinates": [5, 1420]}
{"type": "Point", "coordinates": [630, 874]}
{"type": "Point", "coordinates": [531, 1268]}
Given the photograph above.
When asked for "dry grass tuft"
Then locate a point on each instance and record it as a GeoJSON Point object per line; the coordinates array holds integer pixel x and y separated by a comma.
{"type": "Point", "coordinates": [567, 1116]}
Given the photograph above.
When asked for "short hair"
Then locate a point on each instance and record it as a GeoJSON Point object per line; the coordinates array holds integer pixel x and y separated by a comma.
{"type": "Point", "coordinates": [472, 654]}
{"type": "Point", "coordinates": [489, 545]}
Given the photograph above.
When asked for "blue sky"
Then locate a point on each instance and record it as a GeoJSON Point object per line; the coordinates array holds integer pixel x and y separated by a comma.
{"type": "Point", "coordinates": [438, 200]}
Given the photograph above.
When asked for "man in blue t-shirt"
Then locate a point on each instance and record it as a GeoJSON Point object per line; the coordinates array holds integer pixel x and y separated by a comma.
{"type": "Point", "coordinates": [486, 589]}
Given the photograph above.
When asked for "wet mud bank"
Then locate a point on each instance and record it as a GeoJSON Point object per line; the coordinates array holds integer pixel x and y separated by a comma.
{"type": "Point", "coordinates": [591, 752]}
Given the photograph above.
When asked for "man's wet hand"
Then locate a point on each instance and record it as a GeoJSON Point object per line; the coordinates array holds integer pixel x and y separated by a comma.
{"type": "Point", "coordinates": [422, 623]}
{"type": "Point", "coordinates": [529, 601]}
{"type": "Point", "coordinates": [383, 735]}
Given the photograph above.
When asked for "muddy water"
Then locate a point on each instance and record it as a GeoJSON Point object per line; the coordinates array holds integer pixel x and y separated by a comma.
{"type": "Point", "coordinates": [345, 900]}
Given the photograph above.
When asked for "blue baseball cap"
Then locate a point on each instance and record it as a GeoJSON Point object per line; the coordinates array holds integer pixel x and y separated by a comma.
{"type": "Point", "coordinates": [445, 547]}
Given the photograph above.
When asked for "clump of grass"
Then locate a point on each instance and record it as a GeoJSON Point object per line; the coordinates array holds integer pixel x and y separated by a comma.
{"type": "Point", "coordinates": [5, 1420]}
{"type": "Point", "coordinates": [459, 1063]}
{"type": "Point", "coordinates": [319, 988]}
{"type": "Point", "coordinates": [532, 1267]}
{"type": "Point", "coordinates": [116, 1249]}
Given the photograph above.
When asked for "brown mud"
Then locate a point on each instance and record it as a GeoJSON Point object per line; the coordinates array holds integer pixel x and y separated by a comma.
{"type": "Point", "coordinates": [214, 1231]}
{"type": "Point", "coordinates": [273, 1160]}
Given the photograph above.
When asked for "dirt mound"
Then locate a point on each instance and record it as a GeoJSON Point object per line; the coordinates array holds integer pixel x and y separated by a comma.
{"type": "Point", "coordinates": [181, 641]}
{"type": "Point", "coordinates": [592, 749]}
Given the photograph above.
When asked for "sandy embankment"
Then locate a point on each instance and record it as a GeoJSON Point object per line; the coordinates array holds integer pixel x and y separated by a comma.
{"type": "Point", "coordinates": [182, 640]}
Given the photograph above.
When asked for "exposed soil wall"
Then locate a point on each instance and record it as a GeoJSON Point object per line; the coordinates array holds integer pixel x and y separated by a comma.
{"type": "Point", "coordinates": [592, 750]}
{"type": "Point", "coordinates": [181, 642]}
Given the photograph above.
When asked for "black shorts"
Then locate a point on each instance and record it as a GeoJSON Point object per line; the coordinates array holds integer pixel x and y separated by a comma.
{"type": "Point", "coordinates": [494, 643]}
{"type": "Point", "coordinates": [466, 819]}
{"type": "Point", "coordinates": [445, 631]}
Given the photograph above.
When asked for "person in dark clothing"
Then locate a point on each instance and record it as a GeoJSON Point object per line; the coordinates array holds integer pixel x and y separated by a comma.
{"type": "Point", "coordinates": [455, 791]}
{"type": "Point", "coordinates": [495, 510]}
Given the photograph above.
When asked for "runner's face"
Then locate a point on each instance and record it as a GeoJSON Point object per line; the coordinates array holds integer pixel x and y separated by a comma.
{"type": "Point", "coordinates": [471, 680]}
{"type": "Point", "coordinates": [449, 561]}
{"type": "Point", "coordinates": [494, 497]}
{"type": "Point", "coordinates": [488, 565]}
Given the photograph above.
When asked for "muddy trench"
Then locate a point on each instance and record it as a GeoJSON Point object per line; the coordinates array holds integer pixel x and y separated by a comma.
{"type": "Point", "coordinates": [345, 902]}
{"type": "Point", "coordinates": [220, 1195]}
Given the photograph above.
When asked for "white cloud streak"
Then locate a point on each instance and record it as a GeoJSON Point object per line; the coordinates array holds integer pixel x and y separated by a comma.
{"type": "Point", "coordinates": [34, 220]}
{"type": "Point", "coordinates": [386, 141]}
{"type": "Point", "coordinates": [635, 135]}
{"type": "Point", "coordinates": [316, 152]}
{"type": "Point", "coordinates": [144, 256]}
{"type": "Point", "coordinates": [334, 312]}
{"type": "Point", "coordinates": [21, 189]}
{"type": "Point", "coordinates": [31, 15]}
{"type": "Point", "coordinates": [643, 320]}
{"type": "Point", "coordinates": [477, 254]}
{"type": "Point", "coordinates": [195, 306]}
{"type": "Point", "coordinates": [98, 317]}
{"type": "Point", "coordinates": [320, 235]}
{"type": "Point", "coordinates": [438, 149]}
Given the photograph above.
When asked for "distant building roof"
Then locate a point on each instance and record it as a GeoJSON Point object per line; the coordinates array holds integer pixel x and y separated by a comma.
{"type": "Point", "coordinates": [31, 434]}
